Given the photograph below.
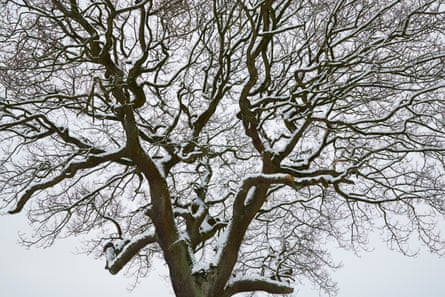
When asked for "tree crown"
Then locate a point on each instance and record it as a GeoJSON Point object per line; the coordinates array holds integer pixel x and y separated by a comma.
{"type": "Point", "coordinates": [234, 137]}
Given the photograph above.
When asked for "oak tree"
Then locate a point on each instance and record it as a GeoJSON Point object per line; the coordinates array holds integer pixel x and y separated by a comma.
{"type": "Point", "coordinates": [234, 138]}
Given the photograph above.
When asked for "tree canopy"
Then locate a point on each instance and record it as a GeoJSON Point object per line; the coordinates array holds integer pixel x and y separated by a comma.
{"type": "Point", "coordinates": [234, 138]}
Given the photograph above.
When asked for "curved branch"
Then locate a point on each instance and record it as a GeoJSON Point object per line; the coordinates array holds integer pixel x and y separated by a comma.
{"type": "Point", "coordinates": [117, 259]}
{"type": "Point", "coordinates": [69, 171]}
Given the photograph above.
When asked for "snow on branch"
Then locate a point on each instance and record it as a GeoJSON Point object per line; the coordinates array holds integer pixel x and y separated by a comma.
{"type": "Point", "coordinates": [119, 253]}
{"type": "Point", "coordinates": [257, 284]}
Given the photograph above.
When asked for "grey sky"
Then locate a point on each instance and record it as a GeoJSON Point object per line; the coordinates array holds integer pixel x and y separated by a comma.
{"type": "Point", "coordinates": [58, 272]}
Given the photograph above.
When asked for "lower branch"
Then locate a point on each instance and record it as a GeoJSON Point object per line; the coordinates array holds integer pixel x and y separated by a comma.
{"type": "Point", "coordinates": [118, 256]}
{"type": "Point", "coordinates": [257, 284]}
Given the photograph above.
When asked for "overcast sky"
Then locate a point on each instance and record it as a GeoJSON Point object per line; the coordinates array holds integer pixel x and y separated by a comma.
{"type": "Point", "coordinates": [59, 272]}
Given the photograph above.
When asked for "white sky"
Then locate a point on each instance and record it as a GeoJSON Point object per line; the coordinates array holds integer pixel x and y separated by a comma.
{"type": "Point", "coordinates": [59, 272]}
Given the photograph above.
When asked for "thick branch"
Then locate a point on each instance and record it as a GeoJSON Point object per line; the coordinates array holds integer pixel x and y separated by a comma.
{"type": "Point", "coordinates": [118, 259]}
{"type": "Point", "coordinates": [257, 284]}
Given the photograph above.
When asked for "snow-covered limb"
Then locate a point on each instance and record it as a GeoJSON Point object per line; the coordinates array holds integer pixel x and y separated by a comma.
{"type": "Point", "coordinates": [118, 254]}
{"type": "Point", "coordinates": [244, 195]}
{"type": "Point", "coordinates": [257, 284]}
{"type": "Point", "coordinates": [210, 226]}
{"type": "Point", "coordinates": [267, 178]}
{"type": "Point", "coordinates": [200, 225]}
{"type": "Point", "coordinates": [292, 179]}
